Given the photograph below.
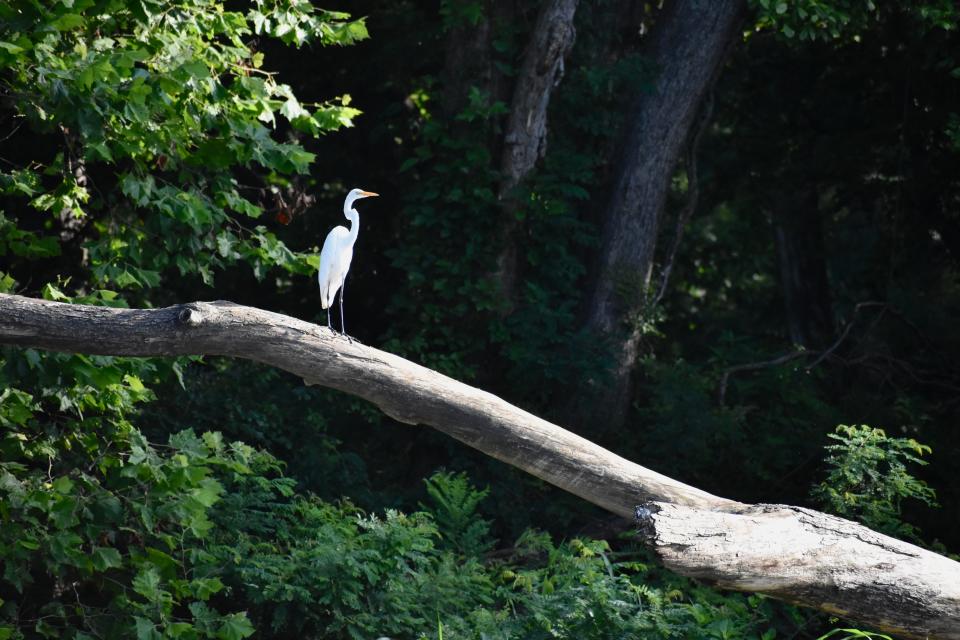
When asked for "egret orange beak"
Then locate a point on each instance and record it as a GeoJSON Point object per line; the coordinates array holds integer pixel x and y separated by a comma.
{"type": "Point", "coordinates": [367, 194]}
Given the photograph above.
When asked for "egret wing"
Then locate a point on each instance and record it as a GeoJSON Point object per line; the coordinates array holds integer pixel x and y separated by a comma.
{"type": "Point", "coordinates": [334, 262]}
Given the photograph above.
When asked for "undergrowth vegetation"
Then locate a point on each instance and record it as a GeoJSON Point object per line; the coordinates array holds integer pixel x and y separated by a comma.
{"type": "Point", "coordinates": [107, 535]}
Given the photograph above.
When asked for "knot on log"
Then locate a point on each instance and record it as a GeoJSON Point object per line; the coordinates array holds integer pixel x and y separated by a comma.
{"type": "Point", "coordinates": [191, 315]}
{"type": "Point", "coordinates": [643, 515]}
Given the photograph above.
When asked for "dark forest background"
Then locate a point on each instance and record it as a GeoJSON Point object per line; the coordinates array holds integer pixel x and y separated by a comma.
{"type": "Point", "coordinates": [741, 230]}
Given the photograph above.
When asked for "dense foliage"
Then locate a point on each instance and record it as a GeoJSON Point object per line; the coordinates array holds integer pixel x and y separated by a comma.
{"type": "Point", "coordinates": [157, 152]}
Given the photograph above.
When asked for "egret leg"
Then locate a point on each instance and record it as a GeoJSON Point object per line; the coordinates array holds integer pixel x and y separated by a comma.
{"type": "Point", "coordinates": [343, 323]}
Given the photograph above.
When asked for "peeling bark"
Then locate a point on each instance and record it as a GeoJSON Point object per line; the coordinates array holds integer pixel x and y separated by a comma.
{"type": "Point", "coordinates": [791, 553]}
{"type": "Point", "coordinates": [525, 139]}
{"type": "Point", "coordinates": [811, 558]}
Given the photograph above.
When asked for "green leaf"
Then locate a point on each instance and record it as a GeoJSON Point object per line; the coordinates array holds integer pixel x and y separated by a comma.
{"type": "Point", "coordinates": [235, 626]}
{"type": "Point", "coordinates": [50, 292]}
{"type": "Point", "coordinates": [178, 629]}
{"type": "Point", "coordinates": [135, 383]}
{"type": "Point", "coordinates": [63, 484]}
{"type": "Point", "coordinates": [196, 69]}
{"type": "Point", "coordinates": [213, 440]}
{"type": "Point", "coordinates": [67, 21]}
{"type": "Point", "coordinates": [147, 583]}
{"type": "Point", "coordinates": [301, 159]}
{"type": "Point", "coordinates": [291, 109]}
{"type": "Point", "coordinates": [165, 563]}
{"type": "Point", "coordinates": [208, 493]}
{"type": "Point", "coordinates": [7, 283]}
{"type": "Point", "coordinates": [106, 558]}
{"type": "Point", "coordinates": [203, 588]}
{"type": "Point", "coordinates": [16, 407]}
{"type": "Point", "coordinates": [146, 630]}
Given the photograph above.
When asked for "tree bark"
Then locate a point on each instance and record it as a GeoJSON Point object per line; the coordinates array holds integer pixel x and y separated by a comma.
{"type": "Point", "coordinates": [405, 391]}
{"type": "Point", "coordinates": [689, 44]}
{"type": "Point", "coordinates": [814, 559]}
{"type": "Point", "coordinates": [525, 139]}
{"type": "Point", "coordinates": [811, 558]}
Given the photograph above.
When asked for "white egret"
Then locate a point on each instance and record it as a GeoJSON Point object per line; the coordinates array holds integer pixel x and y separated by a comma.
{"type": "Point", "coordinates": [336, 255]}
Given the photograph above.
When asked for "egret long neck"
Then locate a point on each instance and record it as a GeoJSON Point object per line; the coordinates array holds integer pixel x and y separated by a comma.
{"type": "Point", "coordinates": [352, 215]}
{"type": "Point", "coordinates": [354, 219]}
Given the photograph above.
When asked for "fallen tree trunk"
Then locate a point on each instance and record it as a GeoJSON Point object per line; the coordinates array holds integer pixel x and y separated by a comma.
{"type": "Point", "coordinates": [403, 390]}
{"type": "Point", "coordinates": [790, 553]}
{"type": "Point", "coordinates": [811, 558]}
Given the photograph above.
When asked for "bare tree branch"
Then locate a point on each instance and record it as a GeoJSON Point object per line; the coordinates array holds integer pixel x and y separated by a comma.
{"type": "Point", "coordinates": [755, 366]}
{"type": "Point", "coordinates": [790, 553]}
{"type": "Point", "coordinates": [793, 355]}
{"type": "Point", "coordinates": [846, 331]}
{"type": "Point", "coordinates": [403, 390]}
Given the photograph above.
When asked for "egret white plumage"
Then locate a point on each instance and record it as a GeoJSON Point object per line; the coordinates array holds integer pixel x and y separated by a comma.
{"type": "Point", "coordinates": [336, 255]}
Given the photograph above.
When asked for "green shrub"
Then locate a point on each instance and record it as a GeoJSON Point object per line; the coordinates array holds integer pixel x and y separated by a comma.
{"type": "Point", "coordinates": [869, 480]}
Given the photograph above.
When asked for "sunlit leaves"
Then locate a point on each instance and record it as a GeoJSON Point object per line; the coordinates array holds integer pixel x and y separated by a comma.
{"type": "Point", "coordinates": [175, 100]}
{"type": "Point", "coordinates": [817, 20]}
{"type": "Point", "coordinates": [297, 21]}
{"type": "Point", "coordinates": [126, 515]}
{"type": "Point", "coordinates": [87, 500]}
{"type": "Point", "coordinates": [869, 479]}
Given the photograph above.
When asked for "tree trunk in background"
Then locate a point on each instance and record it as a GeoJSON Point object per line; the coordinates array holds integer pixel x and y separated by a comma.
{"type": "Point", "coordinates": [798, 236]}
{"type": "Point", "coordinates": [688, 44]}
{"type": "Point", "coordinates": [525, 140]}
{"type": "Point", "coordinates": [466, 63]}
{"type": "Point", "coordinates": [469, 60]}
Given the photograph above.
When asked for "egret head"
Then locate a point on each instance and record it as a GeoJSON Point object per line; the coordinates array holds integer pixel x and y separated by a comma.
{"type": "Point", "coordinates": [356, 194]}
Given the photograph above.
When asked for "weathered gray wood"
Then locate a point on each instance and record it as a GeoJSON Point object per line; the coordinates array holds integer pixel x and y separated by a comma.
{"type": "Point", "coordinates": [791, 553]}
{"type": "Point", "coordinates": [403, 390]}
{"type": "Point", "coordinates": [814, 559]}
